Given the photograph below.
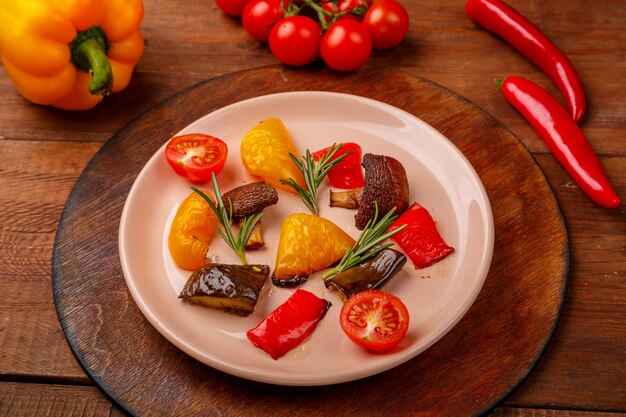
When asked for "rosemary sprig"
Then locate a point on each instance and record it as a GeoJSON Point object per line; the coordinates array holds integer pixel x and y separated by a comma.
{"type": "Point", "coordinates": [314, 173]}
{"type": "Point", "coordinates": [225, 217]}
{"type": "Point", "coordinates": [368, 244]}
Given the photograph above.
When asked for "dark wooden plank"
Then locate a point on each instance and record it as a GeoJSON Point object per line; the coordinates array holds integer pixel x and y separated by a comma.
{"type": "Point", "coordinates": [26, 400]}
{"type": "Point", "coordinates": [535, 412]}
{"type": "Point", "coordinates": [35, 179]}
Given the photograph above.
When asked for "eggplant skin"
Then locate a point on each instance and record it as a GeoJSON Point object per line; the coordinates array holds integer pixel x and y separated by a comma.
{"type": "Point", "coordinates": [234, 289]}
{"type": "Point", "coordinates": [289, 282]}
{"type": "Point", "coordinates": [386, 184]}
{"type": "Point", "coordinates": [369, 275]}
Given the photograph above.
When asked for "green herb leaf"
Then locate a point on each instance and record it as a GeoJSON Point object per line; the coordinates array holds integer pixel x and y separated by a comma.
{"type": "Point", "coordinates": [225, 217]}
{"type": "Point", "coordinates": [368, 244]}
{"type": "Point", "coordinates": [313, 172]}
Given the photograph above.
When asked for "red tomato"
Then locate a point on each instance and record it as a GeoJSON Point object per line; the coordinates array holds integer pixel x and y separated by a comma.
{"type": "Point", "coordinates": [295, 40]}
{"type": "Point", "coordinates": [387, 22]}
{"type": "Point", "coordinates": [195, 156]}
{"type": "Point", "coordinates": [347, 5]}
{"type": "Point", "coordinates": [231, 7]}
{"type": "Point", "coordinates": [332, 7]}
{"type": "Point", "coordinates": [346, 46]}
{"type": "Point", "coordinates": [375, 320]}
{"type": "Point", "coordinates": [259, 16]}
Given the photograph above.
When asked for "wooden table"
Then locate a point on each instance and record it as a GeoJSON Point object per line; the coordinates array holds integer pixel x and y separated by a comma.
{"type": "Point", "coordinates": [582, 372]}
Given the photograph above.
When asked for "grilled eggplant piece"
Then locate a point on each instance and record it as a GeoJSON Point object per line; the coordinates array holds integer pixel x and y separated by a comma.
{"type": "Point", "coordinates": [234, 289]}
{"type": "Point", "coordinates": [369, 275]}
{"type": "Point", "coordinates": [386, 183]}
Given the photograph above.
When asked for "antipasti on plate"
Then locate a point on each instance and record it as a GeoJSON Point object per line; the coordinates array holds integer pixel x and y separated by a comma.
{"type": "Point", "coordinates": [306, 238]}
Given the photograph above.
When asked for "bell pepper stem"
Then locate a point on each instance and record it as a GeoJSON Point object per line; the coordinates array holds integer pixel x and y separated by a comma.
{"type": "Point", "coordinates": [89, 50]}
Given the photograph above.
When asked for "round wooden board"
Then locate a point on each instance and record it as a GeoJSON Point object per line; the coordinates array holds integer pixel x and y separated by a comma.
{"type": "Point", "coordinates": [478, 363]}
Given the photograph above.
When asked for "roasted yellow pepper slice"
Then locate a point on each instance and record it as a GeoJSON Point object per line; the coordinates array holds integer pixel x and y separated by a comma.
{"type": "Point", "coordinates": [68, 53]}
{"type": "Point", "coordinates": [307, 243]}
{"type": "Point", "coordinates": [191, 232]}
{"type": "Point", "coordinates": [265, 153]}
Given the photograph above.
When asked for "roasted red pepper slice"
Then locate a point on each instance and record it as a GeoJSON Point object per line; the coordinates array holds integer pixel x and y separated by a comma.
{"type": "Point", "coordinates": [501, 19]}
{"type": "Point", "coordinates": [565, 139]}
{"type": "Point", "coordinates": [347, 174]}
{"type": "Point", "coordinates": [287, 326]}
{"type": "Point", "coordinates": [420, 239]}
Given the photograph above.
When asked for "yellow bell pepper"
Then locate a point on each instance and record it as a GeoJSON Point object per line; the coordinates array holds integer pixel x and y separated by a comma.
{"type": "Point", "coordinates": [265, 153]}
{"type": "Point", "coordinates": [191, 232]}
{"type": "Point", "coordinates": [308, 243]}
{"type": "Point", "coordinates": [70, 53]}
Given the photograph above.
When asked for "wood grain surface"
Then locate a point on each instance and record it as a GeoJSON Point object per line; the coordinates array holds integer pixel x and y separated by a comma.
{"type": "Point", "coordinates": [463, 373]}
{"type": "Point", "coordinates": [44, 151]}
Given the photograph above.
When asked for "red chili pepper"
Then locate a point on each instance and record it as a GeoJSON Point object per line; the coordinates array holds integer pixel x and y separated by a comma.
{"type": "Point", "coordinates": [420, 239]}
{"type": "Point", "coordinates": [287, 326]}
{"type": "Point", "coordinates": [348, 173]}
{"type": "Point", "coordinates": [501, 19]}
{"type": "Point", "coordinates": [563, 136]}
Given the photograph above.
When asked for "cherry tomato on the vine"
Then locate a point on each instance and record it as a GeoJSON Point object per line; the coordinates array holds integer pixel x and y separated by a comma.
{"type": "Point", "coordinates": [347, 5]}
{"type": "Point", "coordinates": [346, 46]}
{"type": "Point", "coordinates": [232, 7]}
{"type": "Point", "coordinates": [295, 40]}
{"type": "Point", "coordinates": [375, 320]}
{"type": "Point", "coordinates": [387, 22]}
{"type": "Point", "coordinates": [196, 156]}
{"type": "Point", "coordinates": [333, 8]}
{"type": "Point", "coordinates": [259, 16]}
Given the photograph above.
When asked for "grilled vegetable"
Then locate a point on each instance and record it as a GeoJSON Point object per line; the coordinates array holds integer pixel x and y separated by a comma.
{"type": "Point", "coordinates": [308, 243]}
{"type": "Point", "coordinates": [314, 171]}
{"type": "Point", "coordinates": [191, 232]}
{"type": "Point", "coordinates": [385, 183]}
{"type": "Point", "coordinates": [224, 216]}
{"type": "Point", "coordinates": [350, 199]}
{"type": "Point", "coordinates": [250, 198]}
{"type": "Point", "coordinates": [348, 174]}
{"type": "Point", "coordinates": [247, 200]}
{"type": "Point", "coordinates": [234, 289]}
{"type": "Point", "coordinates": [287, 326]}
{"type": "Point", "coordinates": [420, 239]}
{"type": "Point", "coordinates": [255, 240]}
{"type": "Point", "coordinates": [265, 151]}
{"type": "Point", "coordinates": [369, 275]}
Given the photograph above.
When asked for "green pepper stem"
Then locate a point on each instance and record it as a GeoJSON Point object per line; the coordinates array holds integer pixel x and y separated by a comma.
{"type": "Point", "coordinates": [89, 50]}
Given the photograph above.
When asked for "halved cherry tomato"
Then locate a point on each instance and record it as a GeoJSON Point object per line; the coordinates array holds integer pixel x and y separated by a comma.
{"type": "Point", "coordinates": [375, 320]}
{"type": "Point", "coordinates": [196, 156]}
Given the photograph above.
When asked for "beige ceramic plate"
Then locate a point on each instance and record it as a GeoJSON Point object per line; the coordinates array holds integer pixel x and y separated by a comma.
{"type": "Point", "coordinates": [440, 178]}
